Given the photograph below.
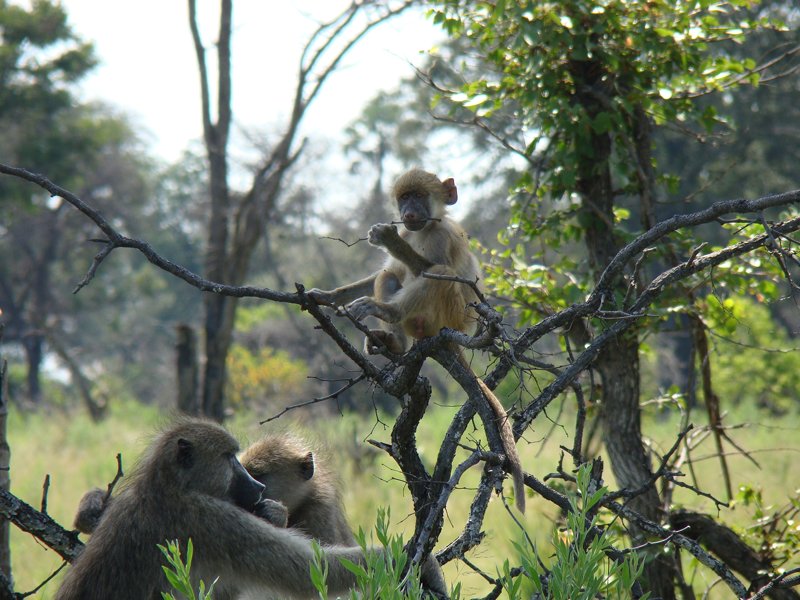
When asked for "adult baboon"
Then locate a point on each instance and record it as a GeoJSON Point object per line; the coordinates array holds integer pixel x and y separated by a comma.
{"type": "Point", "coordinates": [299, 492]}
{"type": "Point", "coordinates": [293, 476]}
{"type": "Point", "coordinates": [182, 488]}
{"type": "Point", "coordinates": [411, 306]}
{"type": "Point", "coordinates": [94, 503]}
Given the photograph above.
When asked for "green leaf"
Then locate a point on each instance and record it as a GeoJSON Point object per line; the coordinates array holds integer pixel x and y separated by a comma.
{"type": "Point", "coordinates": [354, 568]}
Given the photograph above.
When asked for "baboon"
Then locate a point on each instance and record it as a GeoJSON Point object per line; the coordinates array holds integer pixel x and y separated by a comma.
{"type": "Point", "coordinates": [94, 503]}
{"type": "Point", "coordinates": [292, 476]}
{"type": "Point", "coordinates": [189, 484]}
{"type": "Point", "coordinates": [299, 492]}
{"type": "Point", "coordinates": [90, 509]}
{"type": "Point", "coordinates": [411, 306]}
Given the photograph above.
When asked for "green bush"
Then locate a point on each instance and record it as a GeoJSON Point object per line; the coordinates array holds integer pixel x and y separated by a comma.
{"type": "Point", "coordinates": [581, 568]}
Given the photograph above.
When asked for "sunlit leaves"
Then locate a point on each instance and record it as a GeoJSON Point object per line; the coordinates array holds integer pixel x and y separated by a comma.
{"type": "Point", "coordinates": [579, 71]}
{"type": "Point", "coordinates": [654, 54]}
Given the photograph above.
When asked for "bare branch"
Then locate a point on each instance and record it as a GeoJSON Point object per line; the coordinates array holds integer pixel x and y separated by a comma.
{"type": "Point", "coordinates": [331, 396]}
{"type": "Point", "coordinates": [119, 475]}
{"type": "Point", "coordinates": [435, 514]}
{"type": "Point", "coordinates": [40, 525]}
{"type": "Point", "coordinates": [684, 542]}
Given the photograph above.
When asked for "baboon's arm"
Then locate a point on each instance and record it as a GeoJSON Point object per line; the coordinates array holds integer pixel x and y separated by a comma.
{"type": "Point", "coordinates": [346, 293]}
{"type": "Point", "coordinates": [385, 235]}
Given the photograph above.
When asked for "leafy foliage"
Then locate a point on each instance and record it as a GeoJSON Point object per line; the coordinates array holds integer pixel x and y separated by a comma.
{"type": "Point", "coordinates": [178, 573]}
{"type": "Point", "coordinates": [385, 574]}
{"type": "Point", "coordinates": [642, 58]}
{"type": "Point", "coordinates": [774, 530]}
{"type": "Point", "coordinates": [754, 363]}
{"type": "Point", "coordinates": [580, 567]}
{"type": "Point", "coordinates": [41, 58]}
{"type": "Point", "coordinates": [258, 376]}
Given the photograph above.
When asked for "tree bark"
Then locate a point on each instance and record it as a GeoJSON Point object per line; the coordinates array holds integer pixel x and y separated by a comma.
{"type": "Point", "coordinates": [5, 478]}
{"type": "Point", "coordinates": [218, 320]}
{"type": "Point", "coordinates": [618, 365]}
{"type": "Point", "coordinates": [187, 369]}
{"type": "Point", "coordinates": [33, 343]}
{"type": "Point", "coordinates": [40, 525]}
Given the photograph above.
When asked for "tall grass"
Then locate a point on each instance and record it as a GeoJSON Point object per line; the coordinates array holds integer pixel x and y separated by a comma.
{"type": "Point", "coordinates": [79, 454]}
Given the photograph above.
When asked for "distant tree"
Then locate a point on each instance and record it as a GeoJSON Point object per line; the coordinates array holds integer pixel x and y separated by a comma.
{"type": "Point", "coordinates": [40, 60]}
{"type": "Point", "coordinates": [45, 126]}
{"type": "Point", "coordinates": [237, 222]}
{"type": "Point", "coordinates": [590, 83]}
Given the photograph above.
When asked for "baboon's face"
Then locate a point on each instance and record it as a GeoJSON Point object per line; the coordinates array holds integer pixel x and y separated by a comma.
{"type": "Point", "coordinates": [414, 206]}
{"type": "Point", "coordinates": [421, 198]}
{"type": "Point", "coordinates": [201, 457]}
{"type": "Point", "coordinates": [284, 469]}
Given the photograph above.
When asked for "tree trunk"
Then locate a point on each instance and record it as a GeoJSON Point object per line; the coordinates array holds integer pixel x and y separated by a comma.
{"type": "Point", "coordinates": [187, 370]}
{"type": "Point", "coordinates": [618, 365]}
{"type": "Point", "coordinates": [218, 322]}
{"type": "Point", "coordinates": [217, 330]}
{"type": "Point", "coordinates": [33, 342]}
{"type": "Point", "coordinates": [97, 407]}
{"type": "Point", "coordinates": [5, 478]}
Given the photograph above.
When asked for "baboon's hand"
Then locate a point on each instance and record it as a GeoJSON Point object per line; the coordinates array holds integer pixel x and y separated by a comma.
{"type": "Point", "coordinates": [272, 512]}
{"type": "Point", "coordinates": [361, 308]}
{"type": "Point", "coordinates": [378, 340]}
{"type": "Point", "coordinates": [321, 296]}
{"type": "Point", "coordinates": [380, 234]}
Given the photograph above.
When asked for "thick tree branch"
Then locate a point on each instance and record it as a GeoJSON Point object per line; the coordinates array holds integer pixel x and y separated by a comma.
{"type": "Point", "coordinates": [41, 526]}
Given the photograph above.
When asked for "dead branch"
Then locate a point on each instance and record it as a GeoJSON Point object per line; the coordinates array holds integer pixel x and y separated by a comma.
{"type": "Point", "coordinates": [40, 525]}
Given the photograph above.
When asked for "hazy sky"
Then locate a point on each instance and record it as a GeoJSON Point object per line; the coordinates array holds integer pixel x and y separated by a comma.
{"type": "Point", "coordinates": [148, 67]}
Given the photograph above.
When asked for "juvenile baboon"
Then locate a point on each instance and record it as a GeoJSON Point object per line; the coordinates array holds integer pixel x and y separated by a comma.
{"type": "Point", "coordinates": [292, 475]}
{"type": "Point", "coordinates": [411, 306]}
{"type": "Point", "coordinates": [90, 509]}
{"type": "Point", "coordinates": [189, 484]}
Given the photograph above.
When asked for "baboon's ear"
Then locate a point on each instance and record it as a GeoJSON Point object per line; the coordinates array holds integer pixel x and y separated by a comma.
{"type": "Point", "coordinates": [185, 457]}
{"type": "Point", "coordinates": [307, 466]}
{"type": "Point", "coordinates": [450, 191]}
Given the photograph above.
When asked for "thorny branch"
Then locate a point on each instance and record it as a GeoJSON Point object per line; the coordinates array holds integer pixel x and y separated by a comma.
{"type": "Point", "coordinates": [401, 377]}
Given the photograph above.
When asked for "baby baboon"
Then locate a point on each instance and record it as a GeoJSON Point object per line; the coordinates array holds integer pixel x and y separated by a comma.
{"type": "Point", "coordinates": [90, 509]}
{"type": "Point", "coordinates": [183, 487]}
{"type": "Point", "coordinates": [411, 306]}
{"type": "Point", "coordinates": [292, 476]}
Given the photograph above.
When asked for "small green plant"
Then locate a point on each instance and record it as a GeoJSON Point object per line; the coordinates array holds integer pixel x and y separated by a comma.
{"type": "Point", "coordinates": [580, 568]}
{"type": "Point", "coordinates": [772, 529]}
{"type": "Point", "coordinates": [383, 576]}
{"type": "Point", "coordinates": [178, 572]}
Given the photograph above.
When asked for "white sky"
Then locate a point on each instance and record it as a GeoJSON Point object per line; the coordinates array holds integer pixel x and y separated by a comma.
{"type": "Point", "coordinates": [149, 71]}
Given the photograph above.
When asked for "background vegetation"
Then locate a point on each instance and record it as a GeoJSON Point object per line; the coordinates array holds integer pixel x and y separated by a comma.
{"type": "Point", "coordinates": [80, 454]}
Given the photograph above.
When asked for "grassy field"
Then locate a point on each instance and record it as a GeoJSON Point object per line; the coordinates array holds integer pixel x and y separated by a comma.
{"type": "Point", "coordinates": [79, 455]}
